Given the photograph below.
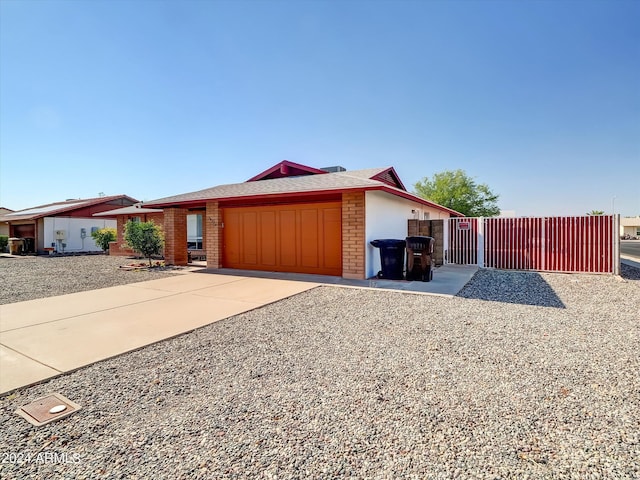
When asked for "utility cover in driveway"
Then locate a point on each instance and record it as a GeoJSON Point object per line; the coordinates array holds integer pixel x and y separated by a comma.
{"type": "Point", "coordinates": [47, 409]}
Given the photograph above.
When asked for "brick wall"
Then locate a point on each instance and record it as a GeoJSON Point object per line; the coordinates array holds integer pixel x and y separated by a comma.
{"type": "Point", "coordinates": [353, 235]}
{"type": "Point", "coordinates": [212, 235]}
{"type": "Point", "coordinates": [119, 248]}
{"type": "Point", "coordinates": [175, 236]}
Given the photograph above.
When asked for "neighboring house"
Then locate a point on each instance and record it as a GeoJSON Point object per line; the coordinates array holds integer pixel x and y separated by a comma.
{"type": "Point", "coordinates": [63, 226]}
{"type": "Point", "coordinates": [630, 226]}
{"type": "Point", "coordinates": [295, 218]}
{"type": "Point", "coordinates": [4, 226]}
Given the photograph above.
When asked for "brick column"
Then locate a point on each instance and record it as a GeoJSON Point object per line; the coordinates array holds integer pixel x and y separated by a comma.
{"type": "Point", "coordinates": [175, 236]}
{"type": "Point", "coordinates": [353, 230]}
{"type": "Point", "coordinates": [117, 247]}
{"type": "Point", "coordinates": [213, 234]}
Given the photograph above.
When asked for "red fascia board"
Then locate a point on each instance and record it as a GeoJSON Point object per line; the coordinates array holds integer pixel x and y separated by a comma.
{"type": "Point", "coordinates": [280, 200]}
{"type": "Point", "coordinates": [288, 164]}
{"type": "Point", "coordinates": [85, 204]}
{"type": "Point", "coordinates": [250, 198]}
{"type": "Point", "coordinates": [410, 196]}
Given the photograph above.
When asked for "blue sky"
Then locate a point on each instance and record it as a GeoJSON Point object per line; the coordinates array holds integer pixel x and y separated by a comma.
{"type": "Point", "coordinates": [538, 99]}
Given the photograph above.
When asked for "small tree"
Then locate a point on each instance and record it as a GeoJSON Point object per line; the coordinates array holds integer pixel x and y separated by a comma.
{"type": "Point", "coordinates": [146, 238]}
{"type": "Point", "coordinates": [595, 213]}
{"type": "Point", "coordinates": [103, 236]}
{"type": "Point", "coordinates": [456, 190]}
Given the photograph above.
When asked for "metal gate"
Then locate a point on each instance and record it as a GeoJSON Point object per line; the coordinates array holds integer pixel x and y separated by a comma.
{"type": "Point", "coordinates": [554, 244]}
{"type": "Point", "coordinates": [463, 241]}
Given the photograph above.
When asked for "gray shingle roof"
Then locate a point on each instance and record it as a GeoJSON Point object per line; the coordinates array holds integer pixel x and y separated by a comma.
{"type": "Point", "coordinates": [305, 184]}
{"type": "Point", "coordinates": [338, 181]}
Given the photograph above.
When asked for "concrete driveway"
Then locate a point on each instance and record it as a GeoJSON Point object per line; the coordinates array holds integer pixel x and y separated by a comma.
{"type": "Point", "coordinates": [43, 338]}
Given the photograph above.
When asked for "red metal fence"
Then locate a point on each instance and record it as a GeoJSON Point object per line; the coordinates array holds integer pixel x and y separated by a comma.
{"type": "Point", "coordinates": [554, 244]}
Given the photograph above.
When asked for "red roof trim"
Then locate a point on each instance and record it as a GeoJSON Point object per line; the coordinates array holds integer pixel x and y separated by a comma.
{"type": "Point", "coordinates": [85, 202]}
{"type": "Point", "coordinates": [268, 198]}
{"type": "Point", "coordinates": [283, 165]}
{"type": "Point", "coordinates": [90, 202]}
{"type": "Point", "coordinates": [415, 198]}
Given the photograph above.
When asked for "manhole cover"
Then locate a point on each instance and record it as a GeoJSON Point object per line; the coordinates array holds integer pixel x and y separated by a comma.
{"type": "Point", "coordinates": [47, 409]}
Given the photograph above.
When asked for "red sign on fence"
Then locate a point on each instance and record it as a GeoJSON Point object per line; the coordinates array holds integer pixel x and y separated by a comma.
{"type": "Point", "coordinates": [464, 225]}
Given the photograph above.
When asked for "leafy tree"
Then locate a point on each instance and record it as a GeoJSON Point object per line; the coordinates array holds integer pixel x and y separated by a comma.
{"type": "Point", "coordinates": [456, 190]}
{"type": "Point", "coordinates": [4, 241]}
{"type": "Point", "coordinates": [146, 238]}
{"type": "Point", "coordinates": [596, 212]}
{"type": "Point", "coordinates": [103, 236]}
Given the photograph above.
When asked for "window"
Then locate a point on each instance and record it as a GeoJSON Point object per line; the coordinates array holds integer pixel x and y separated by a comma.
{"type": "Point", "coordinates": [194, 232]}
{"type": "Point", "coordinates": [426, 215]}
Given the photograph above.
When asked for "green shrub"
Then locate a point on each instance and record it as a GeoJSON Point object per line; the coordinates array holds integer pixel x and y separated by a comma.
{"type": "Point", "coordinates": [4, 241]}
{"type": "Point", "coordinates": [145, 238]}
{"type": "Point", "coordinates": [103, 236]}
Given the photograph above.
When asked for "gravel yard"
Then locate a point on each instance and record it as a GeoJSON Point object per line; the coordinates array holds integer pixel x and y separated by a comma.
{"type": "Point", "coordinates": [31, 277]}
{"type": "Point", "coordinates": [350, 383]}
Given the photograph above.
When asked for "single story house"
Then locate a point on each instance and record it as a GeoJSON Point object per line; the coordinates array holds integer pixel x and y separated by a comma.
{"type": "Point", "coordinates": [4, 227]}
{"type": "Point", "coordinates": [63, 226]}
{"type": "Point", "coordinates": [296, 218]}
{"type": "Point", "coordinates": [630, 226]}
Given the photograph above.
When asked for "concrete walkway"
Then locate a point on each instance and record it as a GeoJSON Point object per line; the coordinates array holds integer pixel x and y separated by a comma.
{"type": "Point", "coordinates": [448, 280]}
{"type": "Point", "coordinates": [43, 338]}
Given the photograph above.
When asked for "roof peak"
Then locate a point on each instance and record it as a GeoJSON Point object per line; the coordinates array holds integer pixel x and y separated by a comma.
{"type": "Point", "coordinates": [285, 168]}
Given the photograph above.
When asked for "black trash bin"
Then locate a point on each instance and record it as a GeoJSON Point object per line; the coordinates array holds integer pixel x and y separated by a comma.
{"type": "Point", "coordinates": [420, 258]}
{"type": "Point", "coordinates": [391, 258]}
{"type": "Point", "coordinates": [29, 245]}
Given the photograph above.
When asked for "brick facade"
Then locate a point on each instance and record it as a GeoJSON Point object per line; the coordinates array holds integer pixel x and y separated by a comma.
{"type": "Point", "coordinates": [119, 248]}
{"type": "Point", "coordinates": [353, 235]}
{"type": "Point", "coordinates": [175, 236]}
{"type": "Point", "coordinates": [212, 234]}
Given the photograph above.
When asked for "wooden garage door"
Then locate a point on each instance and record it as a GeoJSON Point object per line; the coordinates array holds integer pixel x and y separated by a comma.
{"type": "Point", "coordinates": [303, 238]}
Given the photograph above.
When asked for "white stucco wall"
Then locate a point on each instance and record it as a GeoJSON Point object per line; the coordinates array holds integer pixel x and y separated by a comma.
{"type": "Point", "coordinates": [386, 216]}
{"type": "Point", "coordinates": [72, 226]}
{"type": "Point", "coordinates": [629, 225]}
